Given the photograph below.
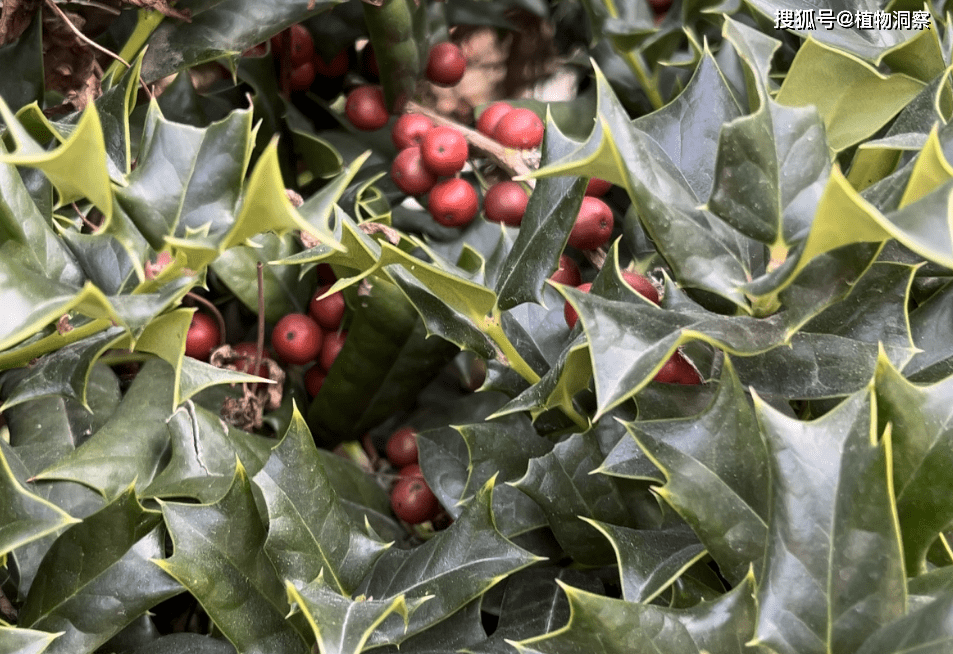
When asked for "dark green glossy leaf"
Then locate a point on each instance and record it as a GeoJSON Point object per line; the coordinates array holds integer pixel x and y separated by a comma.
{"type": "Point", "coordinates": [922, 448]}
{"type": "Point", "coordinates": [24, 517]}
{"type": "Point", "coordinates": [98, 576]}
{"type": "Point", "coordinates": [65, 372]}
{"type": "Point", "coordinates": [224, 28]}
{"type": "Point", "coordinates": [186, 643]}
{"type": "Point", "coordinates": [650, 559]}
{"type": "Point", "coordinates": [927, 630]}
{"type": "Point", "coordinates": [461, 629]}
{"type": "Point", "coordinates": [131, 444]}
{"type": "Point", "coordinates": [220, 558]}
{"type": "Point", "coordinates": [22, 61]}
{"type": "Point", "coordinates": [343, 625]}
{"type": "Point", "coordinates": [550, 215]}
{"type": "Point", "coordinates": [309, 532]}
{"type": "Point", "coordinates": [832, 521]}
{"type": "Point", "coordinates": [602, 625]}
{"type": "Point", "coordinates": [561, 484]}
{"type": "Point", "coordinates": [454, 567]}
{"type": "Point", "coordinates": [204, 452]}
{"type": "Point", "coordinates": [931, 326]}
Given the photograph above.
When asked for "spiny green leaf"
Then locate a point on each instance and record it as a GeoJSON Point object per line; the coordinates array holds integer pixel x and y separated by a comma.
{"type": "Point", "coordinates": [186, 643]}
{"type": "Point", "coordinates": [309, 532]}
{"type": "Point", "coordinates": [454, 567]}
{"type": "Point", "coordinates": [717, 474]}
{"type": "Point", "coordinates": [220, 558]}
{"type": "Point", "coordinates": [832, 522]}
{"type": "Point", "coordinates": [131, 445]}
{"type": "Point", "coordinates": [922, 448]}
{"type": "Point", "coordinates": [343, 625]}
{"type": "Point", "coordinates": [17, 640]}
{"type": "Point", "coordinates": [204, 452]}
{"type": "Point", "coordinates": [24, 517]}
{"type": "Point", "coordinates": [926, 630]}
{"type": "Point", "coordinates": [602, 625]}
{"type": "Point", "coordinates": [93, 569]}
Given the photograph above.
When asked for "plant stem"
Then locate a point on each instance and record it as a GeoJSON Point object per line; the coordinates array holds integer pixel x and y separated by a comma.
{"type": "Point", "coordinates": [215, 312]}
{"type": "Point", "coordinates": [260, 343]}
{"type": "Point", "coordinates": [638, 66]}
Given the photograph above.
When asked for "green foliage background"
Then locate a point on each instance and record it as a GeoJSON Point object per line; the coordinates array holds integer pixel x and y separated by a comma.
{"type": "Point", "coordinates": [791, 190]}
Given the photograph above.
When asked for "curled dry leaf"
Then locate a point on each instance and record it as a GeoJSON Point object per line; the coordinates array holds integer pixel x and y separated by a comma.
{"type": "Point", "coordinates": [246, 412]}
{"type": "Point", "coordinates": [163, 7]}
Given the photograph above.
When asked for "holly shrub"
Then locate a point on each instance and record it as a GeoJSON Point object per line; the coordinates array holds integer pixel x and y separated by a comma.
{"type": "Point", "coordinates": [759, 463]}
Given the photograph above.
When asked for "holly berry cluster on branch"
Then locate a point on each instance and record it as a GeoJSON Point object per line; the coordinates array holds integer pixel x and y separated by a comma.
{"type": "Point", "coordinates": [411, 497]}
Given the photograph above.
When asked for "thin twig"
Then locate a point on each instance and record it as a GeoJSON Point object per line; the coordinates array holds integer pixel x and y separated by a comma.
{"type": "Point", "coordinates": [260, 344]}
{"type": "Point", "coordinates": [509, 159]}
{"type": "Point", "coordinates": [86, 221]}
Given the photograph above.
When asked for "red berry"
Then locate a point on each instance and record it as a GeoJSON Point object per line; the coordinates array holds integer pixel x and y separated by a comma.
{"type": "Point", "coordinates": [491, 116]}
{"type": "Point", "coordinates": [593, 225]}
{"type": "Point", "coordinates": [365, 108]}
{"type": "Point", "coordinates": [302, 76]}
{"type": "Point", "coordinates": [314, 379]}
{"type": "Point", "coordinates": [413, 470]}
{"type": "Point", "coordinates": [333, 343]}
{"type": "Point", "coordinates": [410, 174]}
{"type": "Point", "coordinates": [446, 64]}
{"type": "Point", "coordinates": [677, 371]}
{"type": "Point", "coordinates": [598, 187]}
{"type": "Point", "coordinates": [660, 6]}
{"type": "Point", "coordinates": [246, 359]}
{"type": "Point", "coordinates": [444, 150]}
{"type": "Point", "coordinates": [328, 311]}
{"type": "Point", "coordinates": [334, 68]}
{"type": "Point", "coordinates": [520, 128]}
{"type": "Point", "coordinates": [569, 313]}
{"type": "Point", "coordinates": [413, 501]}
{"type": "Point", "coordinates": [203, 337]}
{"type": "Point", "coordinates": [567, 273]}
{"type": "Point", "coordinates": [453, 202]}
{"type": "Point", "coordinates": [297, 338]}
{"type": "Point", "coordinates": [409, 130]}
{"type": "Point", "coordinates": [641, 284]}
{"type": "Point", "coordinates": [401, 448]}
{"type": "Point", "coordinates": [505, 202]}
{"type": "Point", "coordinates": [302, 45]}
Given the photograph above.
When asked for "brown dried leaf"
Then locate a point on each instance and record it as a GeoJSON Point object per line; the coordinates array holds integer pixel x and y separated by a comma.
{"type": "Point", "coordinates": [70, 66]}
{"type": "Point", "coordinates": [15, 17]}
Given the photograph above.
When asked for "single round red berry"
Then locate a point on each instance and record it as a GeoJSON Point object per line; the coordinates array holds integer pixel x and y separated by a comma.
{"type": "Point", "coordinates": [314, 379]}
{"type": "Point", "coordinates": [453, 202]}
{"type": "Point", "coordinates": [593, 225]}
{"type": "Point", "coordinates": [598, 187]}
{"type": "Point", "coordinates": [677, 371]}
{"type": "Point", "coordinates": [327, 311]}
{"type": "Point", "coordinates": [297, 338]}
{"type": "Point", "coordinates": [568, 272]}
{"type": "Point", "coordinates": [487, 121]}
{"type": "Point", "coordinates": [569, 313]}
{"type": "Point", "coordinates": [365, 108]}
{"type": "Point", "coordinates": [334, 68]}
{"type": "Point", "coordinates": [410, 174]}
{"type": "Point", "coordinates": [444, 150]}
{"type": "Point", "coordinates": [413, 501]}
{"type": "Point", "coordinates": [246, 352]}
{"type": "Point", "coordinates": [302, 76]}
{"type": "Point", "coordinates": [409, 130]}
{"type": "Point", "coordinates": [401, 448]}
{"type": "Point", "coordinates": [520, 128]}
{"type": "Point", "coordinates": [641, 284]}
{"type": "Point", "coordinates": [446, 64]}
{"type": "Point", "coordinates": [203, 337]}
{"type": "Point", "coordinates": [333, 344]}
{"type": "Point", "coordinates": [413, 470]}
{"type": "Point", "coordinates": [302, 45]}
{"type": "Point", "coordinates": [660, 6]}
{"type": "Point", "coordinates": [505, 202]}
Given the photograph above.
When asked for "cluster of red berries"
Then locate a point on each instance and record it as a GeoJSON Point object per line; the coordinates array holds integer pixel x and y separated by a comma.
{"type": "Point", "coordinates": [306, 64]}
{"type": "Point", "coordinates": [411, 498]}
{"type": "Point", "coordinates": [297, 338]}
